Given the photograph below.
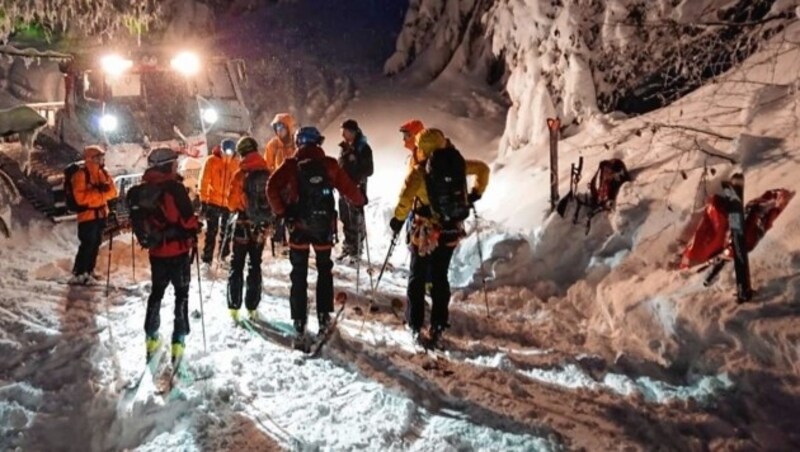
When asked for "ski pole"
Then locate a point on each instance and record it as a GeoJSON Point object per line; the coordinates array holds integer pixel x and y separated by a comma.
{"type": "Point", "coordinates": [358, 267]}
{"type": "Point", "coordinates": [366, 245]}
{"type": "Point", "coordinates": [108, 267]}
{"type": "Point", "coordinates": [380, 275]}
{"type": "Point", "coordinates": [200, 294]}
{"type": "Point", "coordinates": [133, 258]}
{"type": "Point", "coordinates": [480, 256]}
{"type": "Point", "coordinates": [386, 261]}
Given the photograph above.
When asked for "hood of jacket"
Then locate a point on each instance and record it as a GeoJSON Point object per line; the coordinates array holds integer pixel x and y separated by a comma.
{"type": "Point", "coordinates": [154, 176]}
{"type": "Point", "coordinates": [287, 120]}
{"type": "Point", "coordinates": [310, 152]}
{"type": "Point", "coordinates": [252, 162]}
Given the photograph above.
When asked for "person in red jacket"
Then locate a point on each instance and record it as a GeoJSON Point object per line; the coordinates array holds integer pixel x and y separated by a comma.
{"type": "Point", "coordinates": [170, 262]}
{"type": "Point", "coordinates": [301, 192]}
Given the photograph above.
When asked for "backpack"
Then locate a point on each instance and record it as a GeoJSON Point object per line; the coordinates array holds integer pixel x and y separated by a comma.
{"type": "Point", "coordinates": [607, 181]}
{"type": "Point", "coordinates": [144, 203]}
{"type": "Point", "coordinates": [317, 211]}
{"type": "Point", "coordinates": [255, 187]}
{"type": "Point", "coordinates": [446, 183]}
{"type": "Point", "coordinates": [69, 191]}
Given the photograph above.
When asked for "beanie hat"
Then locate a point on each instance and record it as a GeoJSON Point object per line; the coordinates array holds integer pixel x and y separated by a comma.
{"type": "Point", "coordinates": [246, 145]}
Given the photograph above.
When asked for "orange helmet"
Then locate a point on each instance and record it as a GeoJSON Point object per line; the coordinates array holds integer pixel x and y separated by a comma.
{"type": "Point", "coordinates": [410, 130]}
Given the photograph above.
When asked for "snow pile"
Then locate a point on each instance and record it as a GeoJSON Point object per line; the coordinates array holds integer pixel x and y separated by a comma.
{"type": "Point", "coordinates": [18, 404]}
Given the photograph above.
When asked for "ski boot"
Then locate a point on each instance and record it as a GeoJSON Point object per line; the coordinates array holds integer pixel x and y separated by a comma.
{"type": "Point", "coordinates": [416, 336]}
{"type": "Point", "coordinates": [93, 278]}
{"type": "Point", "coordinates": [178, 348]}
{"type": "Point", "coordinates": [234, 315]}
{"type": "Point", "coordinates": [300, 342]}
{"type": "Point", "coordinates": [324, 319]}
{"type": "Point", "coordinates": [436, 333]}
{"type": "Point", "coordinates": [252, 314]}
{"type": "Point", "coordinates": [78, 280]}
{"type": "Point", "coordinates": [342, 256]}
{"type": "Point", "coordinates": [152, 344]}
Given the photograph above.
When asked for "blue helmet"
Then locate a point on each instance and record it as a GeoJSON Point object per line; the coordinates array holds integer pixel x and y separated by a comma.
{"type": "Point", "coordinates": [228, 146]}
{"type": "Point", "coordinates": [308, 135]}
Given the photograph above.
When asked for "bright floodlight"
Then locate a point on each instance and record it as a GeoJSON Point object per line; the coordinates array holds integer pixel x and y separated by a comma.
{"type": "Point", "coordinates": [115, 65]}
{"type": "Point", "coordinates": [210, 115]}
{"type": "Point", "coordinates": [187, 63]}
{"type": "Point", "coordinates": [108, 123]}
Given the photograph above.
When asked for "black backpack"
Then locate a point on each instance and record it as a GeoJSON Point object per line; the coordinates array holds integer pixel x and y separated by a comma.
{"type": "Point", "coordinates": [446, 183]}
{"type": "Point", "coordinates": [317, 211]}
{"type": "Point", "coordinates": [69, 192]}
{"type": "Point", "coordinates": [607, 181]}
{"type": "Point", "coordinates": [255, 187]}
{"type": "Point", "coordinates": [144, 203]}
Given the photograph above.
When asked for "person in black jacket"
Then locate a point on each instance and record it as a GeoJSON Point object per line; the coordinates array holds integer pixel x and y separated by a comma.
{"type": "Point", "coordinates": [355, 158]}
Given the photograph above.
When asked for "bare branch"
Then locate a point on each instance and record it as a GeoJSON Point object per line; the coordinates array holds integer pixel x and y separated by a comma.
{"type": "Point", "coordinates": [691, 129]}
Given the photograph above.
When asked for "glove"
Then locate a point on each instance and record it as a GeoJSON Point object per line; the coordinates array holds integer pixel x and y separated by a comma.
{"type": "Point", "coordinates": [396, 225]}
{"type": "Point", "coordinates": [112, 216]}
{"type": "Point", "coordinates": [473, 196]}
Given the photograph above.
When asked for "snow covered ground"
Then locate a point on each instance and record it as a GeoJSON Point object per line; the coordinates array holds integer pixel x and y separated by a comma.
{"type": "Point", "coordinates": [594, 341]}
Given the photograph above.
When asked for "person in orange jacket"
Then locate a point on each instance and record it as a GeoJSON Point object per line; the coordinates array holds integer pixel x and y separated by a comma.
{"type": "Point", "coordinates": [434, 235]}
{"type": "Point", "coordinates": [301, 192]}
{"type": "Point", "coordinates": [410, 129]}
{"type": "Point", "coordinates": [215, 181]}
{"type": "Point", "coordinates": [249, 234]}
{"type": "Point", "coordinates": [93, 189]}
{"type": "Point", "coordinates": [278, 149]}
{"type": "Point", "coordinates": [282, 145]}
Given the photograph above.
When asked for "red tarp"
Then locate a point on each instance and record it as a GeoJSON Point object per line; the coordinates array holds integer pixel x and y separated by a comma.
{"type": "Point", "coordinates": [711, 235]}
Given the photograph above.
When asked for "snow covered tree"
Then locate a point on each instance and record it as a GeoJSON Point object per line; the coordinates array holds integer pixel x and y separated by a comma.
{"type": "Point", "coordinates": [98, 17]}
{"type": "Point", "coordinates": [574, 58]}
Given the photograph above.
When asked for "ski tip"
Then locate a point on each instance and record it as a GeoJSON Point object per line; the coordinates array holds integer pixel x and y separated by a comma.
{"type": "Point", "coordinates": [341, 297]}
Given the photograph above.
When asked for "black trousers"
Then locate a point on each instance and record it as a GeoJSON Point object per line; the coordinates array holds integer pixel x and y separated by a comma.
{"type": "Point", "coordinates": [90, 234]}
{"type": "Point", "coordinates": [298, 256]}
{"type": "Point", "coordinates": [216, 220]}
{"type": "Point", "coordinates": [435, 267]}
{"type": "Point", "coordinates": [248, 242]}
{"type": "Point", "coordinates": [353, 226]}
{"type": "Point", "coordinates": [163, 272]}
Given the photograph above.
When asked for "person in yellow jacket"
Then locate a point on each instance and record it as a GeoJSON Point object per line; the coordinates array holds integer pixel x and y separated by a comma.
{"type": "Point", "coordinates": [215, 181]}
{"type": "Point", "coordinates": [435, 192]}
{"type": "Point", "coordinates": [92, 188]}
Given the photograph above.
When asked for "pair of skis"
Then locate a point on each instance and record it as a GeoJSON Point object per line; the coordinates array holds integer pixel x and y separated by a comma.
{"type": "Point", "coordinates": [165, 378]}
{"type": "Point", "coordinates": [733, 193]}
{"type": "Point", "coordinates": [290, 339]}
